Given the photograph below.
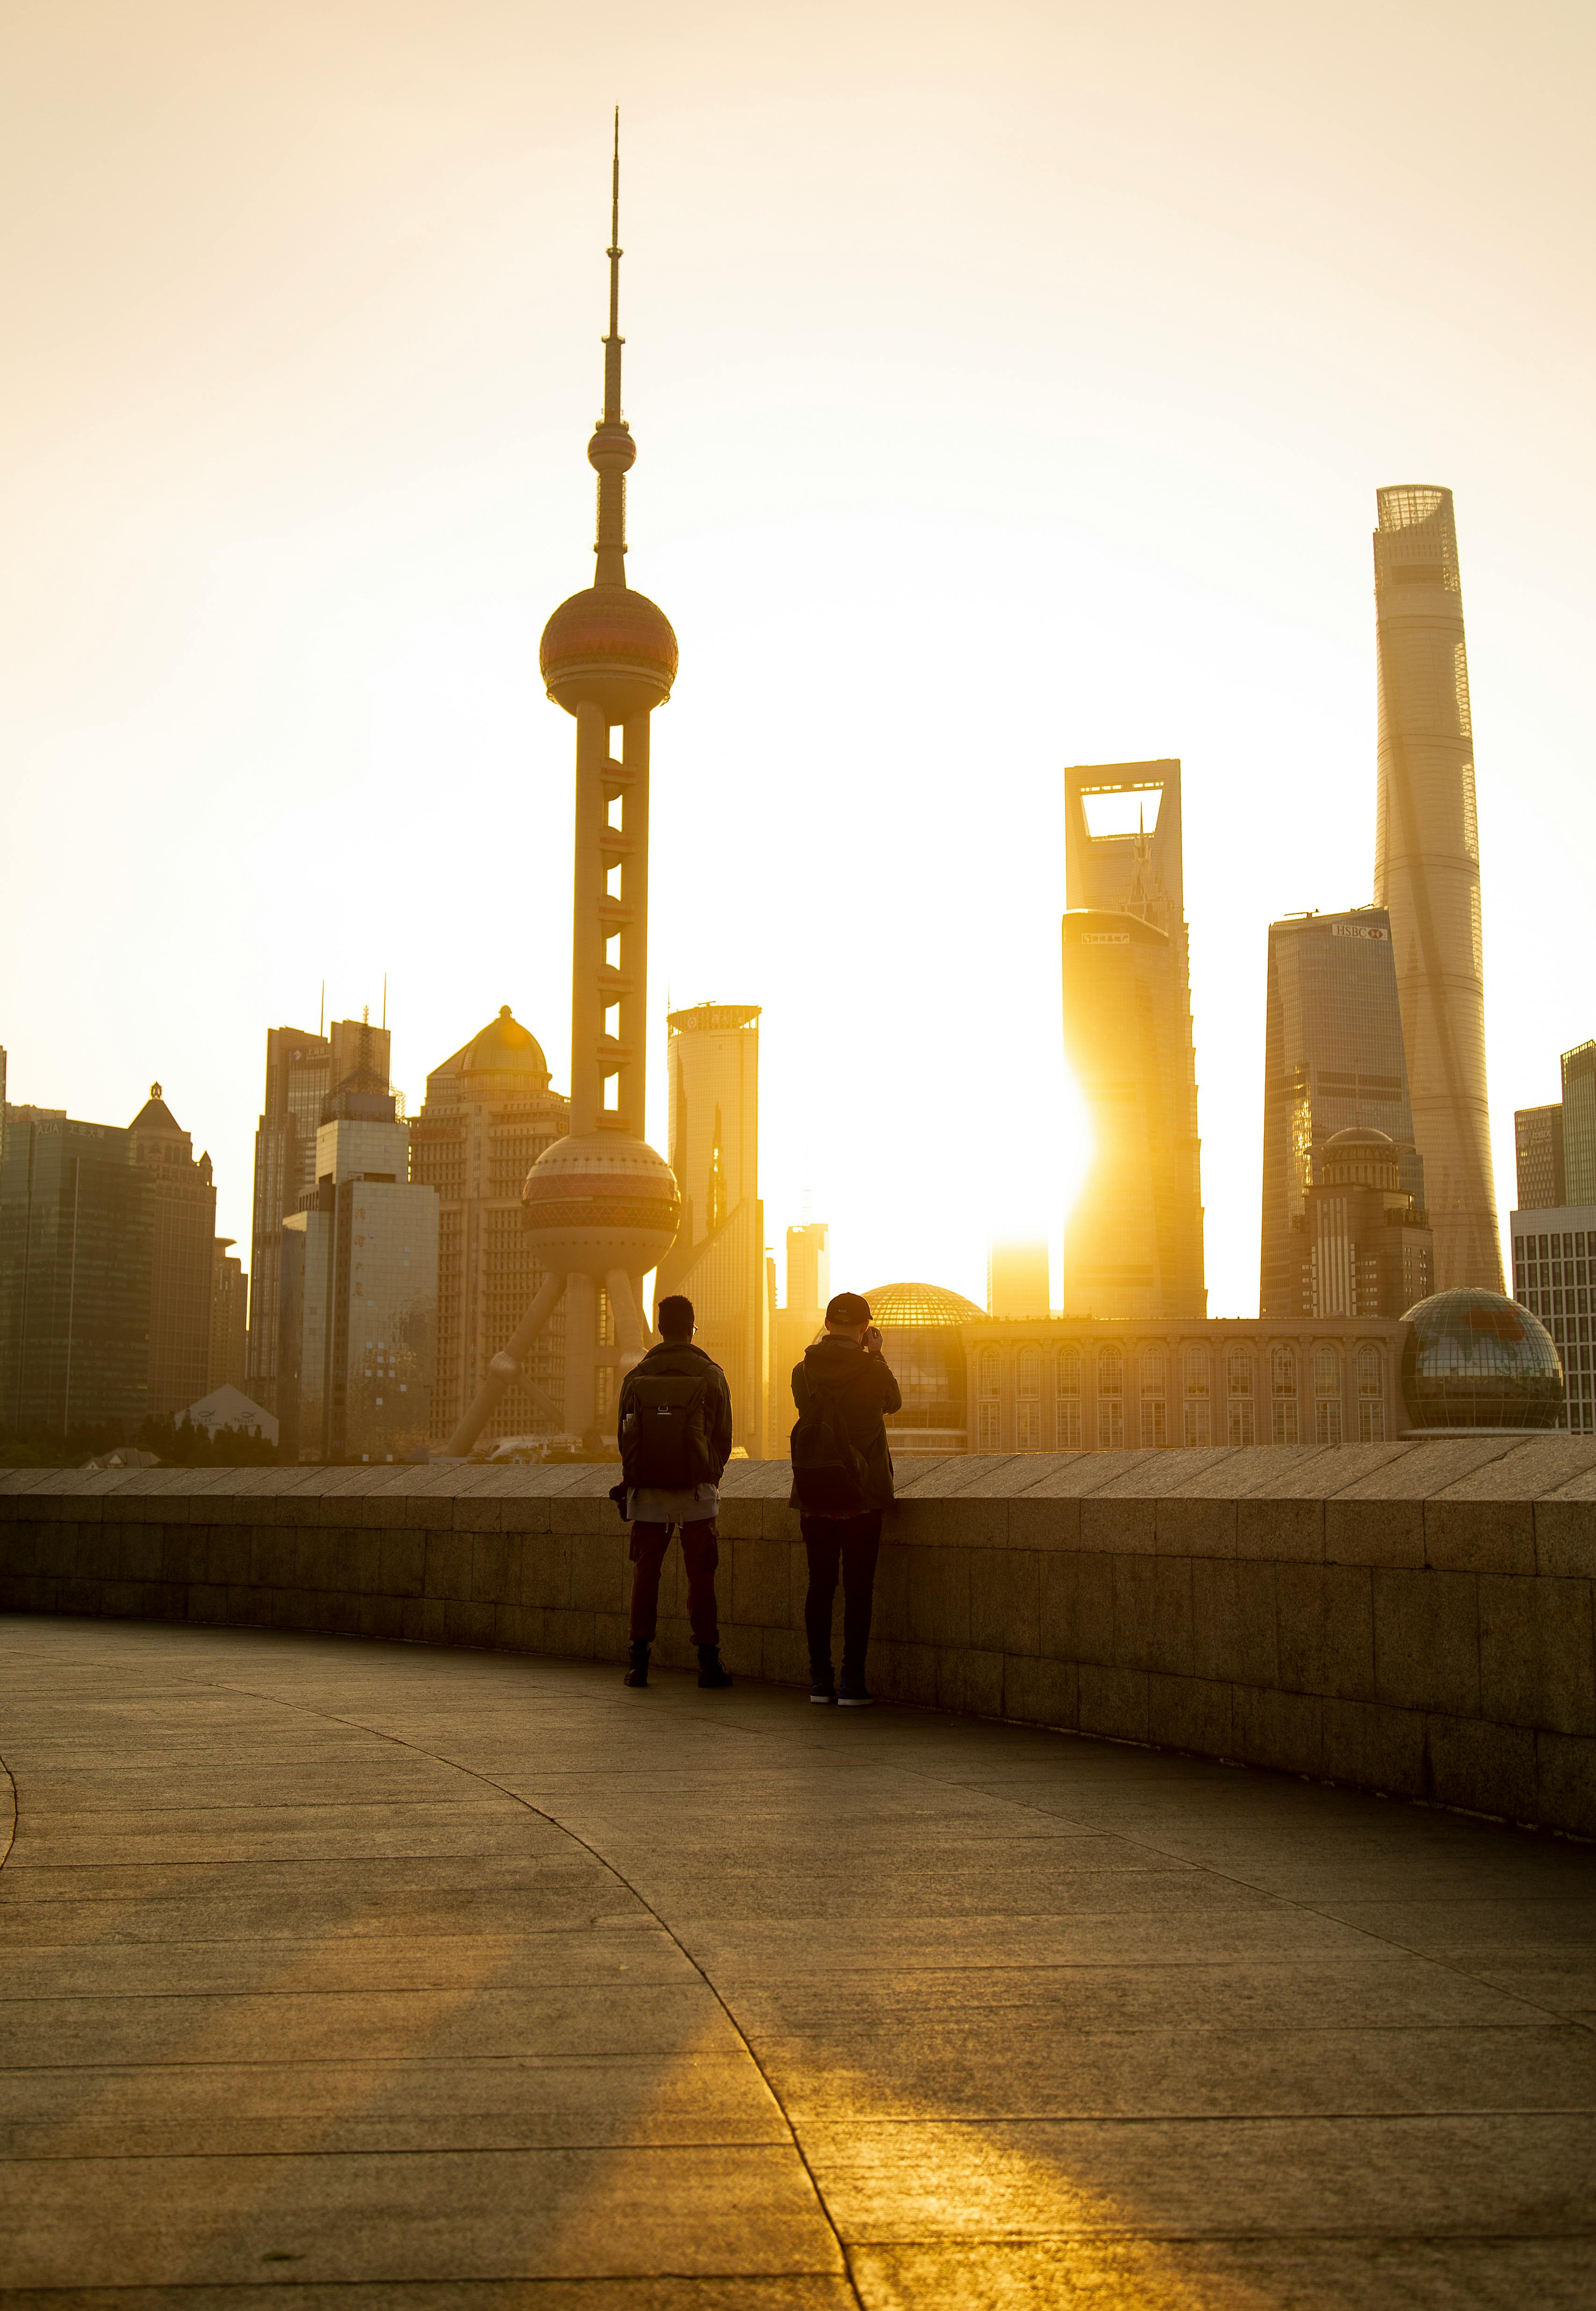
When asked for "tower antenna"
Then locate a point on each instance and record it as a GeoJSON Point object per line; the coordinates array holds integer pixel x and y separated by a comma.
{"type": "Point", "coordinates": [614, 340]}
{"type": "Point", "coordinates": [385, 1001]}
{"type": "Point", "coordinates": [321, 1015]}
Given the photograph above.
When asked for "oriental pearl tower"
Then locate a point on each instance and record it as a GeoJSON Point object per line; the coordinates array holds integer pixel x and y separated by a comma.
{"type": "Point", "coordinates": [600, 1206]}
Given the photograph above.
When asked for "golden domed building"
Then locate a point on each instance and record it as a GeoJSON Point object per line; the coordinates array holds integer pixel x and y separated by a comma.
{"type": "Point", "coordinates": [488, 1115]}
{"type": "Point", "coordinates": [921, 1341]}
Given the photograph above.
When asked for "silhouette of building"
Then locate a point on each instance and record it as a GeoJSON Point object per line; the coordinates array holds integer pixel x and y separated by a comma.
{"type": "Point", "coordinates": [1133, 1243]}
{"type": "Point", "coordinates": [229, 1348]}
{"type": "Point", "coordinates": [1018, 1281]}
{"type": "Point", "coordinates": [302, 1069]}
{"type": "Point", "coordinates": [1426, 872]}
{"type": "Point", "coordinates": [487, 1117]}
{"type": "Point", "coordinates": [77, 1230]}
{"type": "Point", "coordinates": [1579, 1124]}
{"type": "Point", "coordinates": [601, 1206]}
{"type": "Point", "coordinates": [358, 1316]}
{"type": "Point", "coordinates": [1554, 1276]}
{"type": "Point", "coordinates": [182, 1256]}
{"type": "Point", "coordinates": [1072, 1385]}
{"type": "Point", "coordinates": [718, 1258]}
{"type": "Point", "coordinates": [802, 1317]}
{"type": "Point", "coordinates": [1363, 1247]}
{"type": "Point", "coordinates": [1538, 1151]}
{"type": "Point", "coordinates": [1333, 1062]}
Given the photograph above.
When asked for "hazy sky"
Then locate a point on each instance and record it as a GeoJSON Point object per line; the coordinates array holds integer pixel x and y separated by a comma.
{"type": "Point", "coordinates": [1011, 387]}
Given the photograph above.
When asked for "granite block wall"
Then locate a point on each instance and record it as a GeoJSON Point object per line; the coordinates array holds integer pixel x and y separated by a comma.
{"type": "Point", "coordinates": [1415, 1618]}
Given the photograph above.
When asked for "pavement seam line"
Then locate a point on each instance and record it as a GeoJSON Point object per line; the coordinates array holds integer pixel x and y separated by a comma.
{"type": "Point", "coordinates": [416, 1750]}
{"type": "Point", "coordinates": [11, 1831]}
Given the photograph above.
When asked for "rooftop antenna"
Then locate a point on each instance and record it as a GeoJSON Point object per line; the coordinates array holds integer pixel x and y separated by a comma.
{"type": "Point", "coordinates": [385, 1002]}
{"type": "Point", "coordinates": [321, 1015]}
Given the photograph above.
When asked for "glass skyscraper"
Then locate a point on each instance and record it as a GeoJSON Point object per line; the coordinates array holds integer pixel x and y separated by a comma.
{"type": "Point", "coordinates": [1333, 1058]}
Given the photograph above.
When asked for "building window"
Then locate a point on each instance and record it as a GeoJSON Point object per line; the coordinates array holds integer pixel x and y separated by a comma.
{"type": "Point", "coordinates": [1240, 1428]}
{"type": "Point", "coordinates": [1068, 1407]}
{"type": "Point", "coordinates": [1111, 1422]}
{"type": "Point", "coordinates": [1153, 1426]}
{"type": "Point", "coordinates": [1111, 1372]}
{"type": "Point", "coordinates": [1029, 1427]}
{"type": "Point", "coordinates": [1197, 1372]}
{"type": "Point", "coordinates": [986, 1427]}
{"type": "Point", "coordinates": [1371, 1372]}
{"type": "Point", "coordinates": [1070, 1424]}
{"type": "Point", "coordinates": [986, 1373]}
{"type": "Point", "coordinates": [1327, 1393]}
{"type": "Point", "coordinates": [1028, 1387]}
{"type": "Point", "coordinates": [1283, 1418]}
{"type": "Point", "coordinates": [1371, 1421]}
{"type": "Point", "coordinates": [1199, 1430]}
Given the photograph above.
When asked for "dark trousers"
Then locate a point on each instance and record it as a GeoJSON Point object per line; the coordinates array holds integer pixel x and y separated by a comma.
{"type": "Point", "coordinates": [852, 1543]}
{"type": "Point", "coordinates": [700, 1554]}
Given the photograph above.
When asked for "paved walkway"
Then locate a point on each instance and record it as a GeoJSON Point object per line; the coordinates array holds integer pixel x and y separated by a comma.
{"type": "Point", "coordinates": [451, 1982]}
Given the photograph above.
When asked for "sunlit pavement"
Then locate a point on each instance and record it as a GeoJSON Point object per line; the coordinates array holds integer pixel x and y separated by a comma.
{"type": "Point", "coordinates": [421, 1978]}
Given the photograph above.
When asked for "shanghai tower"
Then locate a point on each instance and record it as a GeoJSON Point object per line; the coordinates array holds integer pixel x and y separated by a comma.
{"type": "Point", "coordinates": [1426, 872]}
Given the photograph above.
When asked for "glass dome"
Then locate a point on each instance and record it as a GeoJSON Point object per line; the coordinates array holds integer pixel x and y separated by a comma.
{"type": "Point", "coordinates": [1475, 1359]}
{"type": "Point", "coordinates": [921, 1341]}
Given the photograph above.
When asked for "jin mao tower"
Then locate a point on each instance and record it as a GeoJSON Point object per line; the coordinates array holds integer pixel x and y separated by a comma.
{"type": "Point", "coordinates": [600, 1205]}
{"type": "Point", "coordinates": [1426, 872]}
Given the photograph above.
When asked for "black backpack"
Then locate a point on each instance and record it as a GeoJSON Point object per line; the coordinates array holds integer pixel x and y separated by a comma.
{"type": "Point", "coordinates": [828, 1469]}
{"type": "Point", "coordinates": [664, 1431]}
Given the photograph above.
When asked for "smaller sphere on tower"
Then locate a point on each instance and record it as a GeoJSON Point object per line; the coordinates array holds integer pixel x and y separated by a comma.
{"type": "Point", "coordinates": [612, 449]}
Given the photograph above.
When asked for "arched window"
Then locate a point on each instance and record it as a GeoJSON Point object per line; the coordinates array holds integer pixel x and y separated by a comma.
{"type": "Point", "coordinates": [1327, 1393]}
{"type": "Point", "coordinates": [1111, 1372]}
{"type": "Point", "coordinates": [1371, 1369]}
{"type": "Point", "coordinates": [988, 1372]}
{"type": "Point", "coordinates": [1197, 1424]}
{"type": "Point", "coordinates": [1066, 1408]}
{"type": "Point", "coordinates": [1239, 1425]}
{"type": "Point", "coordinates": [1070, 1371]}
{"type": "Point", "coordinates": [1283, 1394]}
{"type": "Point", "coordinates": [1028, 1384]}
{"type": "Point", "coordinates": [1110, 1398]}
{"type": "Point", "coordinates": [1152, 1362]}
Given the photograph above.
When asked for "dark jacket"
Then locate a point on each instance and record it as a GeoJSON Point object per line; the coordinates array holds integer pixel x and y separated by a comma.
{"type": "Point", "coordinates": [869, 1391]}
{"type": "Point", "coordinates": [680, 1360]}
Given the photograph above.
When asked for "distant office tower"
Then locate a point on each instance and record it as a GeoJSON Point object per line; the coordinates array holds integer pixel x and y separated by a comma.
{"type": "Point", "coordinates": [1364, 1248]}
{"type": "Point", "coordinates": [803, 1317]}
{"type": "Point", "coordinates": [1426, 872]}
{"type": "Point", "coordinates": [230, 1341]}
{"type": "Point", "coordinates": [1333, 1062]}
{"type": "Point", "coordinates": [487, 1117]}
{"type": "Point", "coordinates": [1554, 1270]}
{"type": "Point", "coordinates": [1133, 1243]}
{"type": "Point", "coordinates": [717, 1259]}
{"type": "Point", "coordinates": [358, 1317]}
{"type": "Point", "coordinates": [181, 1258]}
{"type": "Point", "coordinates": [1538, 1146]}
{"type": "Point", "coordinates": [1017, 1282]}
{"type": "Point", "coordinates": [1578, 1123]}
{"type": "Point", "coordinates": [302, 1069]}
{"type": "Point", "coordinates": [77, 1228]}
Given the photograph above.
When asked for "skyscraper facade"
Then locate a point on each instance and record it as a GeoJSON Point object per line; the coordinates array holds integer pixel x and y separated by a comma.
{"type": "Point", "coordinates": [1133, 1243]}
{"type": "Point", "coordinates": [1554, 1276]}
{"type": "Point", "coordinates": [302, 1069]}
{"type": "Point", "coordinates": [358, 1278]}
{"type": "Point", "coordinates": [227, 1359]}
{"type": "Point", "coordinates": [1017, 1280]}
{"type": "Point", "coordinates": [182, 1257]}
{"type": "Point", "coordinates": [801, 1316]}
{"type": "Point", "coordinates": [717, 1259]}
{"type": "Point", "coordinates": [78, 1225]}
{"type": "Point", "coordinates": [1538, 1154]}
{"type": "Point", "coordinates": [1363, 1247]}
{"type": "Point", "coordinates": [1426, 872]}
{"type": "Point", "coordinates": [488, 1115]}
{"type": "Point", "coordinates": [1333, 1062]}
{"type": "Point", "coordinates": [1579, 1124]}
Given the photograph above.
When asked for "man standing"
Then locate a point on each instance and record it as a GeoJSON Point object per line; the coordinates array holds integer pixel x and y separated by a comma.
{"type": "Point", "coordinates": [841, 1480]}
{"type": "Point", "coordinates": [675, 1434]}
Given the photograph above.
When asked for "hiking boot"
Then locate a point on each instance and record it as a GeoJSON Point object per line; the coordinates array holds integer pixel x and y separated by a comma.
{"type": "Point", "coordinates": [854, 1694]}
{"type": "Point", "coordinates": [710, 1671]}
{"type": "Point", "coordinates": [637, 1668]}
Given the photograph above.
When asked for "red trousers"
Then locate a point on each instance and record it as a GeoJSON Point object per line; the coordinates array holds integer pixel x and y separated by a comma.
{"type": "Point", "coordinates": [701, 1555]}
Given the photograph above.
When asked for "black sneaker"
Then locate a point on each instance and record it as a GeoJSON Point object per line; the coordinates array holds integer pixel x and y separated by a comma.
{"type": "Point", "coordinates": [822, 1692]}
{"type": "Point", "coordinates": [637, 1671]}
{"type": "Point", "coordinates": [712, 1673]}
{"type": "Point", "coordinates": [855, 1695]}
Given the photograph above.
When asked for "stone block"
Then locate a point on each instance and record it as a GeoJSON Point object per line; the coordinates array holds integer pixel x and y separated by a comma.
{"type": "Point", "coordinates": [938, 1582]}
{"type": "Point", "coordinates": [1041, 1520]}
{"type": "Point", "coordinates": [1153, 1614]}
{"type": "Point", "coordinates": [1078, 1608]}
{"type": "Point", "coordinates": [913, 1674]}
{"type": "Point", "coordinates": [1202, 1526]}
{"type": "Point", "coordinates": [970, 1681]}
{"type": "Point", "coordinates": [1324, 1618]}
{"type": "Point", "coordinates": [402, 1563]}
{"type": "Point", "coordinates": [741, 1650]}
{"type": "Point", "coordinates": [1484, 1768]}
{"type": "Point", "coordinates": [892, 1590]}
{"type": "Point", "coordinates": [601, 1570]}
{"type": "Point", "coordinates": [1489, 1536]}
{"type": "Point", "coordinates": [1566, 1783]}
{"type": "Point", "coordinates": [570, 1633]}
{"type": "Point", "coordinates": [207, 1601]}
{"type": "Point", "coordinates": [1283, 1730]}
{"type": "Point", "coordinates": [1191, 1713]}
{"type": "Point", "coordinates": [540, 1569]}
{"type": "Point", "coordinates": [1359, 1532]}
{"type": "Point", "coordinates": [478, 1512]}
{"type": "Point", "coordinates": [490, 1569]}
{"type": "Point", "coordinates": [1426, 1640]}
{"type": "Point", "coordinates": [1374, 1748]}
{"type": "Point", "coordinates": [1233, 1621]}
{"type": "Point", "coordinates": [1113, 1701]}
{"type": "Point", "coordinates": [780, 1521]}
{"type": "Point", "coordinates": [1006, 1601]}
{"type": "Point", "coordinates": [382, 1617]}
{"type": "Point", "coordinates": [583, 1513]}
{"type": "Point", "coordinates": [524, 1513]}
{"type": "Point", "coordinates": [449, 1564]}
{"type": "Point", "coordinates": [784, 1658]}
{"type": "Point", "coordinates": [741, 1516]}
{"type": "Point", "coordinates": [1040, 1692]}
{"type": "Point", "coordinates": [757, 1592]}
{"type": "Point", "coordinates": [468, 1623]}
{"type": "Point", "coordinates": [1119, 1527]}
{"type": "Point", "coordinates": [1537, 1661]}
{"type": "Point", "coordinates": [1565, 1538]}
{"type": "Point", "coordinates": [274, 1556]}
{"type": "Point", "coordinates": [1289, 1531]}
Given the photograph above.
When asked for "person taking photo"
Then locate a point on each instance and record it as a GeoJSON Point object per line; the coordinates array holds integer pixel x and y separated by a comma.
{"type": "Point", "coordinates": [841, 1480]}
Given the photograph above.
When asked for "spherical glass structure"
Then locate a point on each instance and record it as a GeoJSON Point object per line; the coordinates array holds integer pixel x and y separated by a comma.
{"type": "Point", "coordinates": [920, 1340]}
{"type": "Point", "coordinates": [1475, 1359]}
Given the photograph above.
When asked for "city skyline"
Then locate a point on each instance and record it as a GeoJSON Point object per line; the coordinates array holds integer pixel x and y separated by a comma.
{"type": "Point", "coordinates": [1188, 560]}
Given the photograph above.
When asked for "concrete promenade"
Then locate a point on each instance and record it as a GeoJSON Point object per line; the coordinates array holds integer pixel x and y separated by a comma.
{"type": "Point", "coordinates": [443, 1980]}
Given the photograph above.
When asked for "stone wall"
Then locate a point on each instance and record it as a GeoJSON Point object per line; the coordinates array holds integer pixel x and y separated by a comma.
{"type": "Point", "coordinates": [1413, 1618]}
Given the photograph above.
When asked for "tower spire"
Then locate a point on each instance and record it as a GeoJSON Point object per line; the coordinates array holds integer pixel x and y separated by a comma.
{"type": "Point", "coordinates": [612, 449]}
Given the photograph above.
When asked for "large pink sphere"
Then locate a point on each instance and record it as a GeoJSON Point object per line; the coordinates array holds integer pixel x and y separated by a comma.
{"type": "Point", "coordinates": [600, 1202]}
{"type": "Point", "coordinates": [610, 648]}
